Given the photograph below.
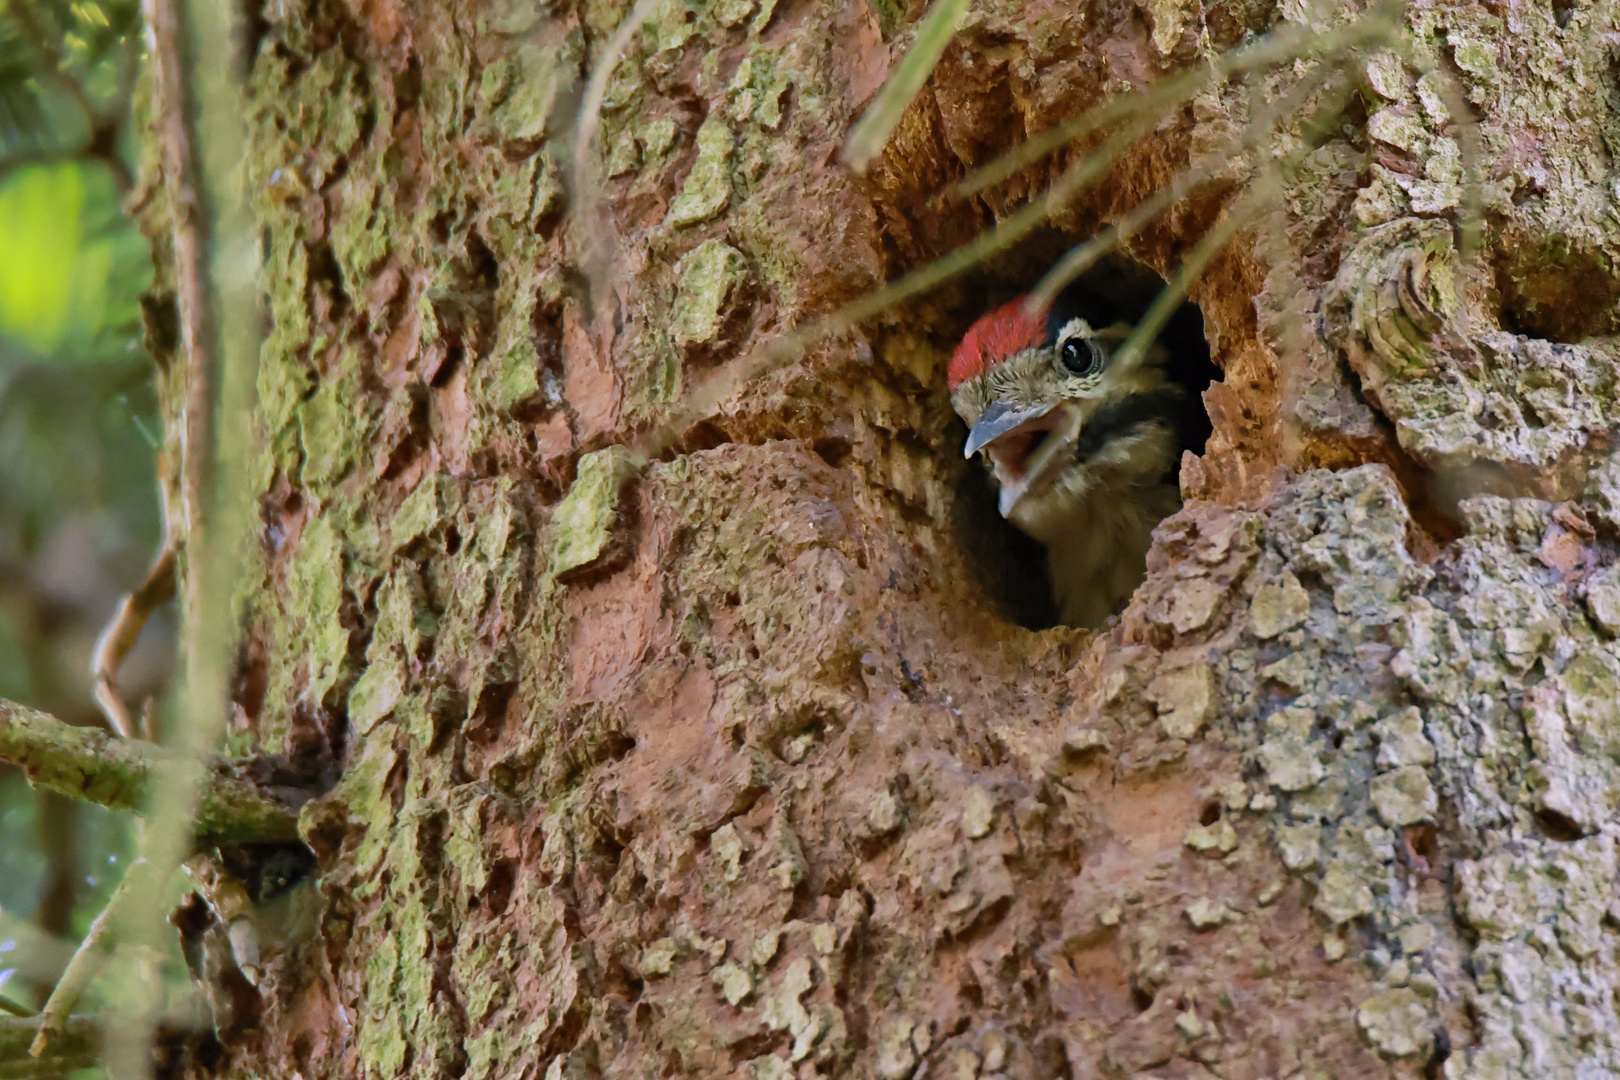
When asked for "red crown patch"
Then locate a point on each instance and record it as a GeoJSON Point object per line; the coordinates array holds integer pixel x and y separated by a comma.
{"type": "Point", "coordinates": [995, 336]}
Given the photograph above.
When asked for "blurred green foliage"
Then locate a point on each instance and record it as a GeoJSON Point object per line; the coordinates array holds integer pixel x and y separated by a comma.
{"type": "Point", "coordinates": [65, 239]}
{"type": "Point", "coordinates": [78, 509]}
{"type": "Point", "coordinates": [66, 72]}
{"type": "Point", "coordinates": [76, 405]}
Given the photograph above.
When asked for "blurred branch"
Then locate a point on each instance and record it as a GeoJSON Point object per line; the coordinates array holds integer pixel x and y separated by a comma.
{"type": "Point", "coordinates": [188, 227]}
{"type": "Point", "coordinates": [198, 130]}
{"type": "Point", "coordinates": [121, 634]}
{"type": "Point", "coordinates": [87, 764]}
{"type": "Point", "coordinates": [872, 131]}
{"type": "Point", "coordinates": [92, 955]}
{"type": "Point", "coordinates": [78, 1046]}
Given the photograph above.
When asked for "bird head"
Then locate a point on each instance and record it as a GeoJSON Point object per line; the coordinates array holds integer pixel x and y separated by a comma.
{"type": "Point", "coordinates": [1057, 420]}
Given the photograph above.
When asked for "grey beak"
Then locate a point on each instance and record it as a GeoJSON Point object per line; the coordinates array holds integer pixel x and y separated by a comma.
{"type": "Point", "coordinates": [996, 421]}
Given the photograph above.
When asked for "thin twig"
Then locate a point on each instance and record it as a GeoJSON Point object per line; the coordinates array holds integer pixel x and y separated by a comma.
{"type": "Point", "coordinates": [76, 1046]}
{"type": "Point", "coordinates": [705, 398]}
{"type": "Point", "coordinates": [120, 636]}
{"type": "Point", "coordinates": [1471, 148]}
{"type": "Point", "coordinates": [1263, 190]}
{"type": "Point", "coordinates": [189, 233]}
{"type": "Point", "coordinates": [1238, 215]}
{"type": "Point", "coordinates": [1282, 258]}
{"type": "Point", "coordinates": [1287, 44]}
{"type": "Point", "coordinates": [92, 955]}
{"type": "Point", "coordinates": [1084, 256]}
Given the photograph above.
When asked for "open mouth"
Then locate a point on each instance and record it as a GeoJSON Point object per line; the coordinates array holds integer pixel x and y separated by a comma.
{"type": "Point", "coordinates": [1026, 457]}
{"type": "Point", "coordinates": [1012, 453]}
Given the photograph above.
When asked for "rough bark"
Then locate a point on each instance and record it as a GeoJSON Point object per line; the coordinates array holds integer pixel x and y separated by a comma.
{"type": "Point", "coordinates": [742, 768]}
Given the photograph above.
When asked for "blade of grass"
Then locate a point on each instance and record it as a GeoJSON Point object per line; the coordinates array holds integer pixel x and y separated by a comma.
{"type": "Point", "coordinates": [872, 131]}
{"type": "Point", "coordinates": [593, 238]}
{"type": "Point", "coordinates": [1084, 256]}
{"type": "Point", "coordinates": [1265, 191]}
{"type": "Point", "coordinates": [705, 398]}
{"type": "Point", "coordinates": [1471, 223]}
{"type": "Point", "coordinates": [1237, 216]}
{"type": "Point", "coordinates": [1287, 44]}
{"type": "Point", "coordinates": [590, 106]}
{"type": "Point", "coordinates": [1282, 256]}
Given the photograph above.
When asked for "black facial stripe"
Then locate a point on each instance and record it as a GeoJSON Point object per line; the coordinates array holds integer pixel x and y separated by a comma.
{"type": "Point", "coordinates": [1115, 417]}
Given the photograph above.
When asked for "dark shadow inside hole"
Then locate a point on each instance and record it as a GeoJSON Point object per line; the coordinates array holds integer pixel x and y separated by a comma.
{"type": "Point", "coordinates": [1558, 293]}
{"type": "Point", "coordinates": [1008, 566]}
{"type": "Point", "coordinates": [266, 870]}
{"type": "Point", "coordinates": [1434, 1068]}
{"type": "Point", "coordinates": [1558, 826]}
{"type": "Point", "coordinates": [1423, 840]}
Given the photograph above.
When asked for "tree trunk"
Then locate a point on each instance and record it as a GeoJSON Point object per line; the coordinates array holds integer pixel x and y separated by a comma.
{"type": "Point", "coordinates": [743, 764]}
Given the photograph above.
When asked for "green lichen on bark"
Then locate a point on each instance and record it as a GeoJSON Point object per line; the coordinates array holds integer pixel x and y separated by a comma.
{"type": "Point", "coordinates": [708, 186]}
{"type": "Point", "coordinates": [706, 279]}
{"type": "Point", "coordinates": [712, 775]}
{"type": "Point", "coordinates": [584, 523]}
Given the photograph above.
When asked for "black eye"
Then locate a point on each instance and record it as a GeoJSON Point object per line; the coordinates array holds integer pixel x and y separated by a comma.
{"type": "Point", "coordinates": [1081, 356]}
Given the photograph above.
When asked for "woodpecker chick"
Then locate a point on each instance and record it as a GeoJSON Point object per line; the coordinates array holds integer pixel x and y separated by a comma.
{"type": "Point", "coordinates": [1084, 451]}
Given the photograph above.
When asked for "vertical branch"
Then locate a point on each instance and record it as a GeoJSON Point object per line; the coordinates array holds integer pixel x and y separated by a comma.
{"type": "Point", "coordinates": [121, 633]}
{"type": "Point", "coordinates": [129, 1037]}
{"type": "Point", "coordinates": [199, 135]}
{"type": "Point", "coordinates": [188, 231]}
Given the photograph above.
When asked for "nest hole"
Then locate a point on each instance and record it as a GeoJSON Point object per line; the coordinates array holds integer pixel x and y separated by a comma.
{"type": "Point", "coordinates": [1557, 292]}
{"type": "Point", "coordinates": [267, 870]}
{"type": "Point", "coordinates": [1558, 827]}
{"type": "Point", "coordinates": [1008, 566]}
